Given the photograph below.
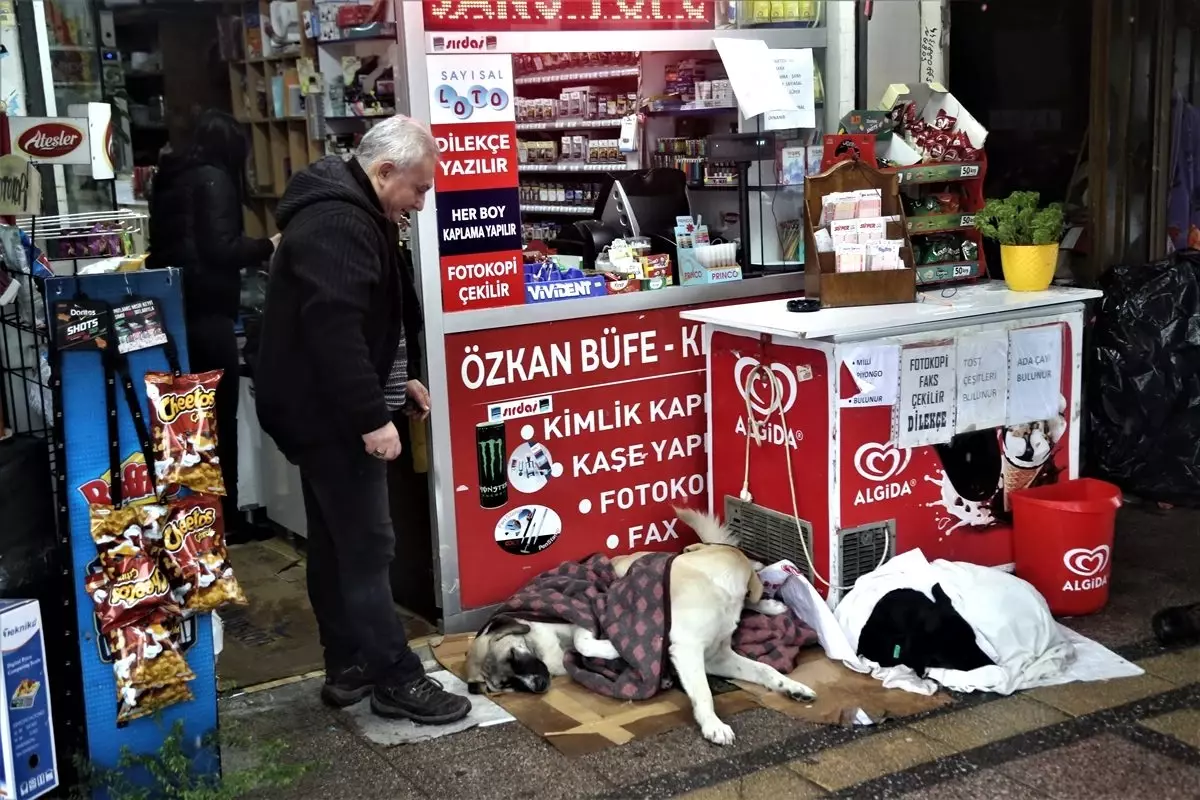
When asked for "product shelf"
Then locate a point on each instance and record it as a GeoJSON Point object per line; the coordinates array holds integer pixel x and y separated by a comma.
{"type": "Point", "coordinates": [938, 173]}
{"type": "Point", "coordinates": [606, 74]}
{"type": "Point", "coordinates": [569, 124]}
{"type": "Point", "coordinates": [948, 271]}
{"type": "Point", "coordinates": [568, 167]}
{"type": "Point", "coordinates": [551, 208]}
{"type": "Point", "coordinates": [940, 223]}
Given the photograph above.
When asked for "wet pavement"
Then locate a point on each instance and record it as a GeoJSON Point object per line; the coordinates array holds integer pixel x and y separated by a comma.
{"type": "Point", "coordinates": [1132, 738]}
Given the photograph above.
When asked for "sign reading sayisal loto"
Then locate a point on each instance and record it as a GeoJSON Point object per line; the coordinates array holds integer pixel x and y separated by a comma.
{"type": "Point", "coordinates": [51, 140]}
{"type": "Point", "coordinates": [479, 222]}
{"type": "Point", "coordinates": [572, 438]}
{"type": "Point", "coordinates": [567, 15]}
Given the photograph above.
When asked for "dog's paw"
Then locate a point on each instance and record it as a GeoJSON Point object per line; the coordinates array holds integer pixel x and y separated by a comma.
{"type": "Point", "coordinates": [771, 607]}
{"type": "Point", "coordinates": [798, 691]}
{"type": "Point", "coordinates": [717, 732]}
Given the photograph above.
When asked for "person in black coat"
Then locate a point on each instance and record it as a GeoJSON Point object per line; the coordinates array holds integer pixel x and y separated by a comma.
{"type": "Point", "coordinates": [196, 225]}
{"type": "Point", "coordinates": [340, 354]}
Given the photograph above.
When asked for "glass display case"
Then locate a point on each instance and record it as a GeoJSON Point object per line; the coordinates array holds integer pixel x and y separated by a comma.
{"type": "Point", "coordinates": [67, 58]}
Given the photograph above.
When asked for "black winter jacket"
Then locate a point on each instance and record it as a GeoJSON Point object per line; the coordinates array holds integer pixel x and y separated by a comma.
{"type": "Point", "coordinates": [340, 294]}
{"type": "Point", "coordinates": [196, 225]}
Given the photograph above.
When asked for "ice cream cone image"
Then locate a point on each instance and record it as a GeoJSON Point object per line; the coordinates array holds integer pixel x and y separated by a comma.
{"type": "Point", "coordinates": [1016, 478]}
{"type": "Point", "coordinates": [1026, 450]}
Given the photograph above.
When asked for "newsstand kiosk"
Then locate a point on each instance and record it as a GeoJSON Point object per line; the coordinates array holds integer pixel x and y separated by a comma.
{"type": "Point", "coordinates": [577, 408]}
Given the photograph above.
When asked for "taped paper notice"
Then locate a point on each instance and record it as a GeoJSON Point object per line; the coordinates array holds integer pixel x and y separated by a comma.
{"type": "Point", "coordinates": [796, 72]}
{"type": "Point", "coordinates": [982, 381]}
{"type": "Point", "coordinates": [927, 395]}
{"type": "Point", "coordinates": [1035, 373]}
{"type": "Point", "coordinates": [750, 66]}
{"type": "Point", "coordinates": [876, 372]}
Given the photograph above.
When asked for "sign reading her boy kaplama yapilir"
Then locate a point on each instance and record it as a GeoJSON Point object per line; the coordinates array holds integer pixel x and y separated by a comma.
{"type": "Point", "coordinates": [20, 186]}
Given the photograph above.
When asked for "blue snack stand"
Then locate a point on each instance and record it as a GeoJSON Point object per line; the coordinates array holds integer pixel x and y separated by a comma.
{"type": "Point", "coordinates": [86, 461]}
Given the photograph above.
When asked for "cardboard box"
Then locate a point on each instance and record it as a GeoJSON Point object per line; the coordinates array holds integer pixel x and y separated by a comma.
{"type": "Point", "coordinates": [623, 287]}
{"type": "Point", "coordinates": [30, 765]}
{"type": "Point", "coordinates": [929, 98]}
{"type": "Point", "coordinates": [553, 291]}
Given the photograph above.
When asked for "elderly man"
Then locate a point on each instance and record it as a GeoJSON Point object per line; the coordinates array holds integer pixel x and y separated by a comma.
{"type": "Point", "coordinates": [339, 354]}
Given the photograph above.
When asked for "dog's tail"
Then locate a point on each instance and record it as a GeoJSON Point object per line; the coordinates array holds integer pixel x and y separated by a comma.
{"type": "Point", "coordinates": [707, 527]}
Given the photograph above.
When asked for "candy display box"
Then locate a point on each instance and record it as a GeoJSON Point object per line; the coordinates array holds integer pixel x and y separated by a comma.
{"type": "Point", "coordinates": [30, 766]}
{"type": "Point", "coordinates": [929, 98]}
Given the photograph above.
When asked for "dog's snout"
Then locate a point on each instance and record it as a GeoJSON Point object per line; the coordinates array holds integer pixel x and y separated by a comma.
{"type": "Point", "coordinates": [541, 684]}
{"type": "Point", "coordinates": [476, 687]}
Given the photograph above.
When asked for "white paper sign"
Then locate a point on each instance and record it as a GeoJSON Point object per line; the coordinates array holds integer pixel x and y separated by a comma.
{"type": "Point", "coordinates": [471, 87]}
{"type": "Point", "coordinates": [876, 372]}
{"type": "Point", "coordinates": [1034, 373]}
{"type": "Point", "coordinates": [982, 381]}
{"type": "Point", "coordinates": [752, 74]}
{"type": "Point", "coordinates": [927, 390]}
{"type": "Point", "coordinates": [796, 72]}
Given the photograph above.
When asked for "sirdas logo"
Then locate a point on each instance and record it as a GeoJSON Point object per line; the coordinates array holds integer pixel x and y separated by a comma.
{"type": "Point", "coordinates": [784, 397]}
{"type": "Point", "coordinates": [172, 406]}
{"type": "Point", "coordinates": [880, 463]}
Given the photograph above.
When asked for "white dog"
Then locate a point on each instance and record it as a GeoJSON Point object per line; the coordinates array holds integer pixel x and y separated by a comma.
{"type": "Point", "coordinates": [710, 584]}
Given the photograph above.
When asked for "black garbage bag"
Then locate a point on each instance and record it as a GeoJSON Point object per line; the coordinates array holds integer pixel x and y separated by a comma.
{"type": "Point", "coordinates": [1143, 382]}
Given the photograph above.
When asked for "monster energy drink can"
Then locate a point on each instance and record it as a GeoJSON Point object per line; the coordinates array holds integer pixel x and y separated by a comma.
{"type": "Point", "coordinates": [490, 455]}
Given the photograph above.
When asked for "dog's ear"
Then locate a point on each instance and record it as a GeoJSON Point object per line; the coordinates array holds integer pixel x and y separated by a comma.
{"type": "Point", "coordinates": [505, 625]}
{"type": "Point", "coordinates": [940, 597]}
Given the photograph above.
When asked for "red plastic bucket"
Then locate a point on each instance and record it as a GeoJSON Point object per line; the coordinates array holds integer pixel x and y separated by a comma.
{"type": "Point", "coordinates": [1063, 538]}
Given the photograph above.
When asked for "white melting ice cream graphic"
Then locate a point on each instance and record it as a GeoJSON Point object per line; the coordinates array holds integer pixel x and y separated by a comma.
{"type": "Point", "coordinates": [960, 511]}
{"type": "Point", "coordinates": [1026, 450]}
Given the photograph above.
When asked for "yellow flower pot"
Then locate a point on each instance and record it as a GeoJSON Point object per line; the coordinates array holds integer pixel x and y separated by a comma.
{"type": "Point", "coordinates": [1029, 268]}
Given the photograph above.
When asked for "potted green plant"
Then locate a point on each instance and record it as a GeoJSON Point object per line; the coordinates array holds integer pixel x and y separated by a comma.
{"type": "Point", "coordinates": [1028, 237]}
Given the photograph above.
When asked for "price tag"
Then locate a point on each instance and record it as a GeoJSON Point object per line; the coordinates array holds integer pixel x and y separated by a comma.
{"type": "Point", "coordinates": [963, 270]}
{"type": "Point", "coordinates": [968, 171]}
{"type": "Point", "coordinates": [138, 325]}
{"type": "Point", "coordinates": [968, 221]}
{"type": "Point", "coordinates": [80, 324]}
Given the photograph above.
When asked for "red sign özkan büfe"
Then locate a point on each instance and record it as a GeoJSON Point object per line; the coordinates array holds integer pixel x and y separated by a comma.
{"type": "Point", "coordinates": [572, 438]}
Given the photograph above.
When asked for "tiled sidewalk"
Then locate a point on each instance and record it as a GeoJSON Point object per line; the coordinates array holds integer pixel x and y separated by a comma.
{"type": "Point", "coordinates": [1134, 738]}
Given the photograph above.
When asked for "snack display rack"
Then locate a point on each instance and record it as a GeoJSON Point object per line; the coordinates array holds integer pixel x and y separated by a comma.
{"type": "Point", "coordinates": [530, 466]}
{"type": "Point", "coordinates": [58, 396]}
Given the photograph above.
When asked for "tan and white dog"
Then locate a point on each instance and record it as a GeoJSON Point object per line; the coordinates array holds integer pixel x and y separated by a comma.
{"type": "Point", "coordinates": [710, 584]}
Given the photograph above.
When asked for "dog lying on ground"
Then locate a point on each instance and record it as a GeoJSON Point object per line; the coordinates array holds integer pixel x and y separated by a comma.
{"type": "Point", "coordinates": [710, 584]}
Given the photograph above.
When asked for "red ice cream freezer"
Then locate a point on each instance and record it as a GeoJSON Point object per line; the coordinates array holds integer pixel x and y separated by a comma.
{"type": "Point", "coordinates": [884, 429]}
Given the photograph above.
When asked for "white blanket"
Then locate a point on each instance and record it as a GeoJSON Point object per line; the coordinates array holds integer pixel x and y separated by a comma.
{"type": "Point", "coordinates": [1012, 624]}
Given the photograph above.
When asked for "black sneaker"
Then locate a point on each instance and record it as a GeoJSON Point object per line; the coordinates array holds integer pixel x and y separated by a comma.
{"type": "Point", "coordinates": [423, 701]}
{"type": "Point", "coordinates": [345, 687]}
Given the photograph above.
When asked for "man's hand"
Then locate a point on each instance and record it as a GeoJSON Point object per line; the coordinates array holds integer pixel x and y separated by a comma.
{"type": "Point", "coordinates": [384, 443]}
{"type": "Point", "coordinates": [417, 406]}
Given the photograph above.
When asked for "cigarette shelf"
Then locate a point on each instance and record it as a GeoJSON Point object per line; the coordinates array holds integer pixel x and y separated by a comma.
{"type": "Point", "coordinates": [691, 112]}
{"type": "Point", "coordinates": [550, 208]}
{"type": "Point", "coordinates": [569, 124]}
{"type": "Point", "coordinates": [580, 167]}
{"type": "Point", "coordinates": [606, 74]}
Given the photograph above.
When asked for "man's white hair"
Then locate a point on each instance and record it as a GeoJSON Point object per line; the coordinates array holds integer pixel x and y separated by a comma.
{"type": "Point", "coordinates": [399, 139]}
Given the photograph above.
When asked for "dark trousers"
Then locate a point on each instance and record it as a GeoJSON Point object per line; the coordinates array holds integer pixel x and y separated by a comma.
{"type": "Point", "coordinates": [351, 545]}
{"type": "Point", "coordinates": [212, 344]}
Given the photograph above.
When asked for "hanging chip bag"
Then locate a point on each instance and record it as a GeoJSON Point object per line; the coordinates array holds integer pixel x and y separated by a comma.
{"type": "Point", "coordinates": [184, 430]}
{"type": "Point", "coordinates": [194, 550]}
{"type": "Point", "coordinates": [133, 703]}
{"type": "Point", "coordinates": [128, 540]}
{"type": "Point", "coordinates": [146, 655]}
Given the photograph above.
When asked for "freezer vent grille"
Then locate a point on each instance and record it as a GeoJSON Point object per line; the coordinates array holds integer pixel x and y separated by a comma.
{"type": "Point", "coordinates": [863, 547]}
{"type": "Point", "coordinates": [767, 535]}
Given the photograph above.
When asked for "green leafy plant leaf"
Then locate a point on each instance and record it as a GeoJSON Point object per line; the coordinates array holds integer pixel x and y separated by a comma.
{"type": "Point", "coordinates": [1017, 220]}
{"type": "Point", "coordinates": [169, 774]}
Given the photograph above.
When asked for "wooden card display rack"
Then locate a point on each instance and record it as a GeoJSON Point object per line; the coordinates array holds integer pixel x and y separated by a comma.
{"type": "Point", "coordinates": [843, 289]}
